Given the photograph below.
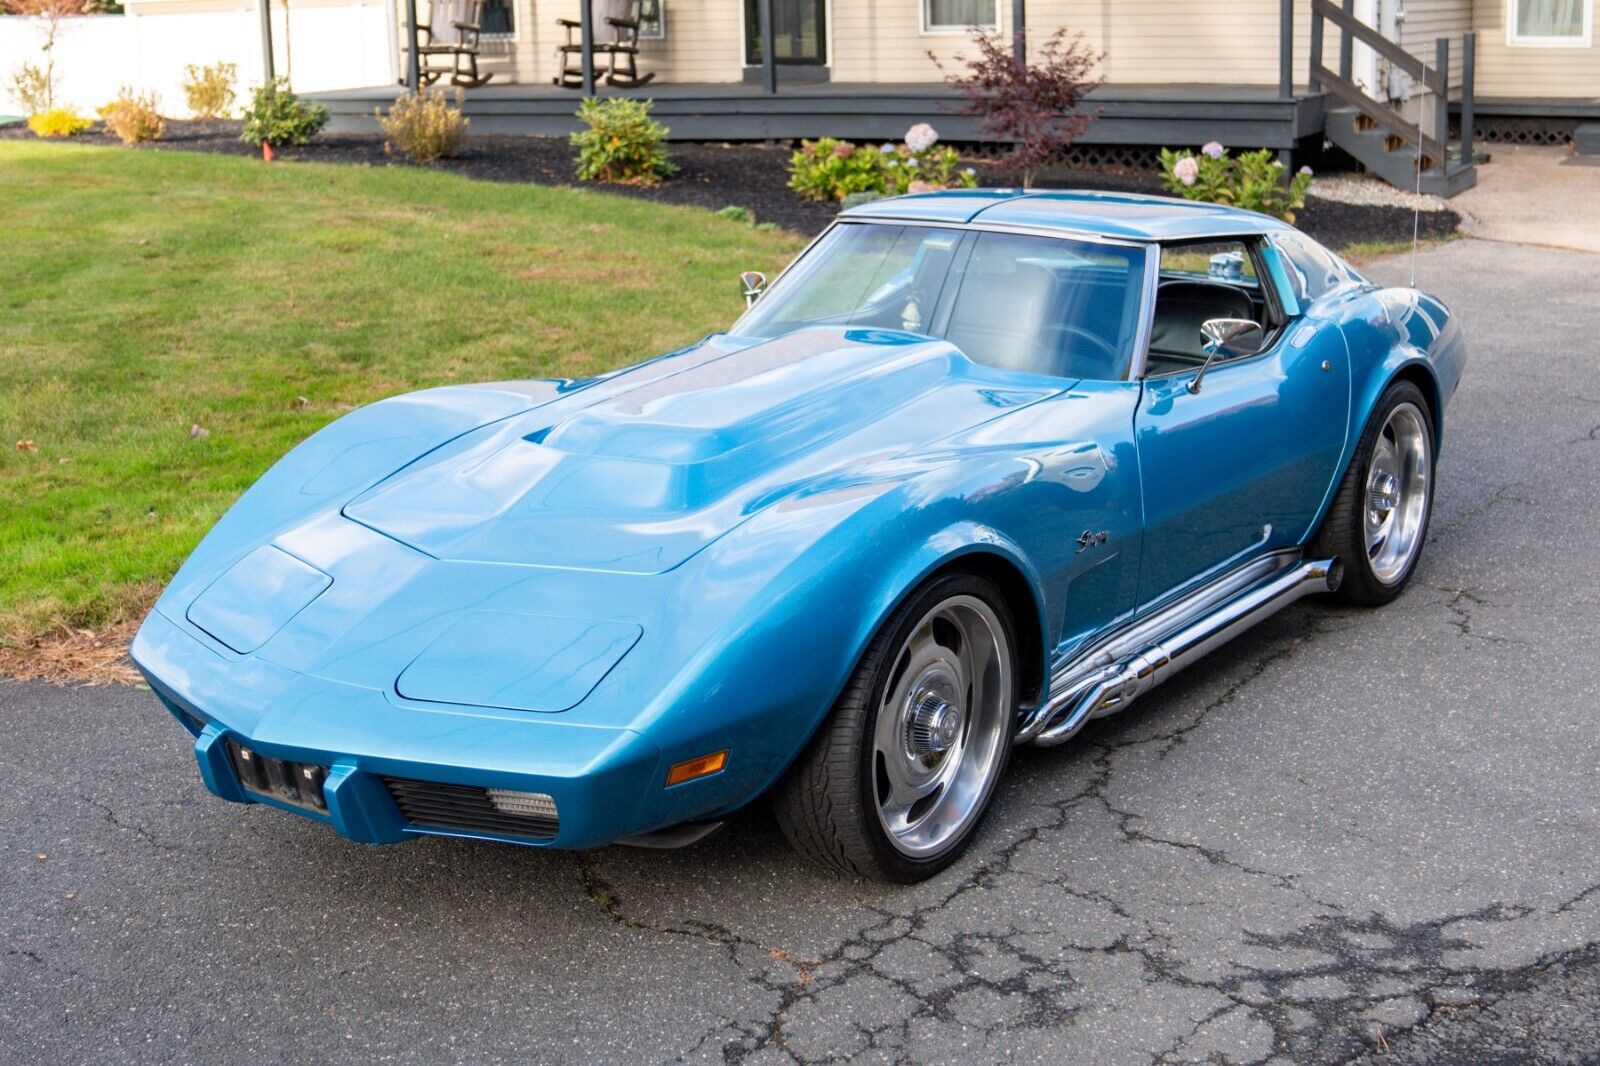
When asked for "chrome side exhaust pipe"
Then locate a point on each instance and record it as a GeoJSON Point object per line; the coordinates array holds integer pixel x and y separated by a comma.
{"type": "Point", "coordinates": [1108, 689]}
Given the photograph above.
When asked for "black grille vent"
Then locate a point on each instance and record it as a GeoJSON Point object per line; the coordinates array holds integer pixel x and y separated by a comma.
{"type": "Point", "coordinates": [458, 808]}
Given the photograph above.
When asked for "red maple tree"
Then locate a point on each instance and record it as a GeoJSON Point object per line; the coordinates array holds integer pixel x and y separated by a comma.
{"type": "Point", "coordinates": [1034, 105]}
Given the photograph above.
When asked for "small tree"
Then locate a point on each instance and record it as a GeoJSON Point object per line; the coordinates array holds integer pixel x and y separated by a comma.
{"type": "Point", "coordinates": [34, 84]}
{"type": "Point", "coordinates": [1033, 105]}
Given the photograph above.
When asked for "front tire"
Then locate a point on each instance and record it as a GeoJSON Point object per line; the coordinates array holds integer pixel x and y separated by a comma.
{"type": "Point", "coordinates": [899, 777]}
{"type": "Point", "coordinates": [1380, 516]}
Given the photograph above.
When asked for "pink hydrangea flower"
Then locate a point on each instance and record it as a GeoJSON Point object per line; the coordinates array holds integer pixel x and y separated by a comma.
{"type": "Point", "coordinates": [844, 151]}
{"type": "Point", "coordinates": [1213, 150]}
{"type": "Point", "coordinates": [921, 137]}
{"type": "Point", "coordinates": [1186, 169]}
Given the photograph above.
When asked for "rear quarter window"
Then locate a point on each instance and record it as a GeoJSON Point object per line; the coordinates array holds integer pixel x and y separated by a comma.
{"type": "Point", "coordinates": [1313, 270]}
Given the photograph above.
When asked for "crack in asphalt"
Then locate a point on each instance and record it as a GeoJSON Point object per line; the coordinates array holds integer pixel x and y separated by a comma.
{"type": "Point", "coordinates": [110, 815]}
{"type": "Point", "coordinates": [1504, 493]}
{"type": "Point", "coordinates": [1462, 604]}
{"type": "Point", "coordinates": [1315, 1011]}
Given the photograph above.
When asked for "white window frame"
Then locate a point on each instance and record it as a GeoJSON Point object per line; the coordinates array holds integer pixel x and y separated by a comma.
{"type": "Point", "coordinates": [928, 29]}
{"type": "Point", "coordinates": [1513, 40]}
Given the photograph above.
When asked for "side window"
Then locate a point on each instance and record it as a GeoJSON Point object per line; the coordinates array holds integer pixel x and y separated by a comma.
{"type": "Point", "coordinates": [1202, 281]}
{"type": "Point", "coordinates": [1227, 261]}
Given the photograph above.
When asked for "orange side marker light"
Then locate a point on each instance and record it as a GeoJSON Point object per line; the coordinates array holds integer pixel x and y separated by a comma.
{"type": "Point", "coordinates": [699, 766]}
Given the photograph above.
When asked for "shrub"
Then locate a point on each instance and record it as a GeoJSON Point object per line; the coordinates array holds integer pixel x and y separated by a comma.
{"type": "Point", "coordinates": [735, 213]}
{"type": "Point", "coordinates": [1251, 180]}
{"type": "Point", "coordinates": [132, 117]}
{"type": "Point", "coordinates": [1033, 105]}
{"type": "Point", "coordinates": [34, 88]}
{"type": "Point", "coordinates": [277, 116]}
{"type": "Point", "coordinates": [209, 90]}
{"type": "Point", "coordinates": [924, 171]}
{"type": "Point", "coordinates": [58, 122]}
{"type": "Point", "coordinates": [622, 144]}
{"type": "Point", "coordinates": [423, 127]}
{"type": "Point", "coordinates": [827, 169]}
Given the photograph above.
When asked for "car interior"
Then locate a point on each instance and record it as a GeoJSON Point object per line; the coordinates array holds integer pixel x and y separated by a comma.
{"type": "Point", "coordinates": [1202, 281]}
{"type": "Point", "coordinates": [1024, 306]}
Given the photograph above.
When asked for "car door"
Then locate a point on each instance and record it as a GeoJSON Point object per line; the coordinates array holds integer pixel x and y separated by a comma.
{"type": "Point", "coordinates": [1065, 313]}
{"type": "Point", "coordinates": [1241, 466]}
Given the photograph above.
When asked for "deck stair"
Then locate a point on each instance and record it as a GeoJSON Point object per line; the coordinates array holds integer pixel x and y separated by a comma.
{"type": "Point", "coordinates": [1376, 134]}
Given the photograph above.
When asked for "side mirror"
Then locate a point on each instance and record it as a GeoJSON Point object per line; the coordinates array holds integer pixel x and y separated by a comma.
{"type": "Point", "coordinates": [1231, 336]}
{"type": "Point", "coordinates": [754, 284]}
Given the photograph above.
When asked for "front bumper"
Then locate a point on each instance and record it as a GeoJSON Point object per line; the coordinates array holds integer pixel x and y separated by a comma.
{"type": "Point", "coordinates": [368, 740]}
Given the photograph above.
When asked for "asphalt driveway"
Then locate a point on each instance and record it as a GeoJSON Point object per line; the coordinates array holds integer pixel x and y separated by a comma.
{"type": "Point", "coordinates": [1350, 833]}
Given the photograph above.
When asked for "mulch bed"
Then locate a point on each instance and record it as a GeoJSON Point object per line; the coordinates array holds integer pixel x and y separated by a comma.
{"type": "Point", "coordinates": [716, 175]}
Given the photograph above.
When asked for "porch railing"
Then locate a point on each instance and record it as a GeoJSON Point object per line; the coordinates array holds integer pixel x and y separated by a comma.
{"type": "Point", "coordinates": [1433, 146]}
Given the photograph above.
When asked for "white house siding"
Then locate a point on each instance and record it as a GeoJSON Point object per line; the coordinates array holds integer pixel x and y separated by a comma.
{"type": "Point", "coordinates": [1428, 20]}
{"type": "Point", "coordinates": [1144, 41]}
{"type": "Point", "coordinates": [1525, 71]}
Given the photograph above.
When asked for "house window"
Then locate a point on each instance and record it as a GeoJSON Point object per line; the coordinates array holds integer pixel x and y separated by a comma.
{"type": "Point", "coordinates": [652, 19]}
{"type": "Point", "coordinates": [1551, 23]}
{"type": "Point", "coordinates": [952, 16]}
{"type": "Point", "coordinates": [497, 19]}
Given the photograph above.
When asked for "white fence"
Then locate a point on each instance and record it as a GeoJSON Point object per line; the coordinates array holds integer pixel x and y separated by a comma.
{"type": "Point", "coordinates": [326, 46]}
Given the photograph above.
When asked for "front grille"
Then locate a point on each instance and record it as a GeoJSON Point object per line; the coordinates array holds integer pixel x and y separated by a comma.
{"type": "Point", "coordinates": [461, 809]}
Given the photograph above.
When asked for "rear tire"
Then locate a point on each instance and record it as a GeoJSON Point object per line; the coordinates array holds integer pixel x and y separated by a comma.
{"type": "Point", "coordinates": [1379, 518]}
{"type": "Point", "coordinates": [899, 777]}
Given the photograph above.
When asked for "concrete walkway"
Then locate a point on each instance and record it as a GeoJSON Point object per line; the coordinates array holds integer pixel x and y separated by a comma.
{"type": "Point", "coordinates": [1534, 194]}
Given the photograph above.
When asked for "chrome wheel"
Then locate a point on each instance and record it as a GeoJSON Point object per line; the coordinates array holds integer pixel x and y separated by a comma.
{"type": "Point", "coordinates": [1399, 479]}
{"type": "Point", "coordinates": [943, 726]}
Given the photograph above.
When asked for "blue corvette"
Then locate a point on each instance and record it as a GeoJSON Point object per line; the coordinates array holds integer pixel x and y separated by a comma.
{"type": "Point", "coordinates": [977, 468]}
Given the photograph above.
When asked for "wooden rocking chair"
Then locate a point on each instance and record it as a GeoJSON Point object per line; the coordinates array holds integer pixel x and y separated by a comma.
{"type": "Point", "coordinates": [616, 35]}
{"type": "Point", "coordinates": [448, 44]}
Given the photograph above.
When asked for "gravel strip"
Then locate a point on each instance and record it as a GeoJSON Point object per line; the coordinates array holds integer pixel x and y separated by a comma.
{"type": "Point", "coordinates": [1361, 189]}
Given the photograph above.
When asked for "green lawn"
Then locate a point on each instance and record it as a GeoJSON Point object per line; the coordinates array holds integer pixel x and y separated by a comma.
{"type": "Point", "coordinates": [146, 292]}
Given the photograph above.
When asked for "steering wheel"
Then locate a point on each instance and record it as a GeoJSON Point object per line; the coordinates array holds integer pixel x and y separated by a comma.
{"type": "Point", "coordinates": [1112, 356]}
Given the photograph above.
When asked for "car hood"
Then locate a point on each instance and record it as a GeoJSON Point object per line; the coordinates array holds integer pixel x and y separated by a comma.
{"type": "Point", "coordinates": [639, 471]}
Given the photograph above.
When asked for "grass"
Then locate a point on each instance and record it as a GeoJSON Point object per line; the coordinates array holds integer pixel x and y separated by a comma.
{"type": "Point", "coordinates": [1363, 252]}
{"type": "Point", "coordinates": [151, 292]}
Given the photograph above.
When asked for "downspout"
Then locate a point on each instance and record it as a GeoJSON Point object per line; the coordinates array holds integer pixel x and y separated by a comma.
{"type": "Point", "coordinates": [1391, 15]}
{"type": "Point", "coordinates": [267, 70]}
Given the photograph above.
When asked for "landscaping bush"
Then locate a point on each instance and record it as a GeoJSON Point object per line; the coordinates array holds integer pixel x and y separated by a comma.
{"type": "Point", "coordinates": [58, 122]}
{"type": "Point", "coordinates": [277, 116]}
{"type": "Point", "coordinates": [827, 169]}
{"type": "Point", "coordinates": [209, 90]}
{"type": "Point", "coordinates": [34, 88]}
{"type": "Point", "coordinates": [423, 127]}
{"type": "Point", "coordinates": [132, 117]}
{"type": "Point", "coordinates": [622, 144]}
{"type": "Point", "coordinates": [1032, 105]}
{"type": "Point", "coordinates": [1251, 180]}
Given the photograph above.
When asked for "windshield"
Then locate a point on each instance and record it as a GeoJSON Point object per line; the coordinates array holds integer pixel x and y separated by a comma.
{"type": "Point", "coordinates": [1043, 305]}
